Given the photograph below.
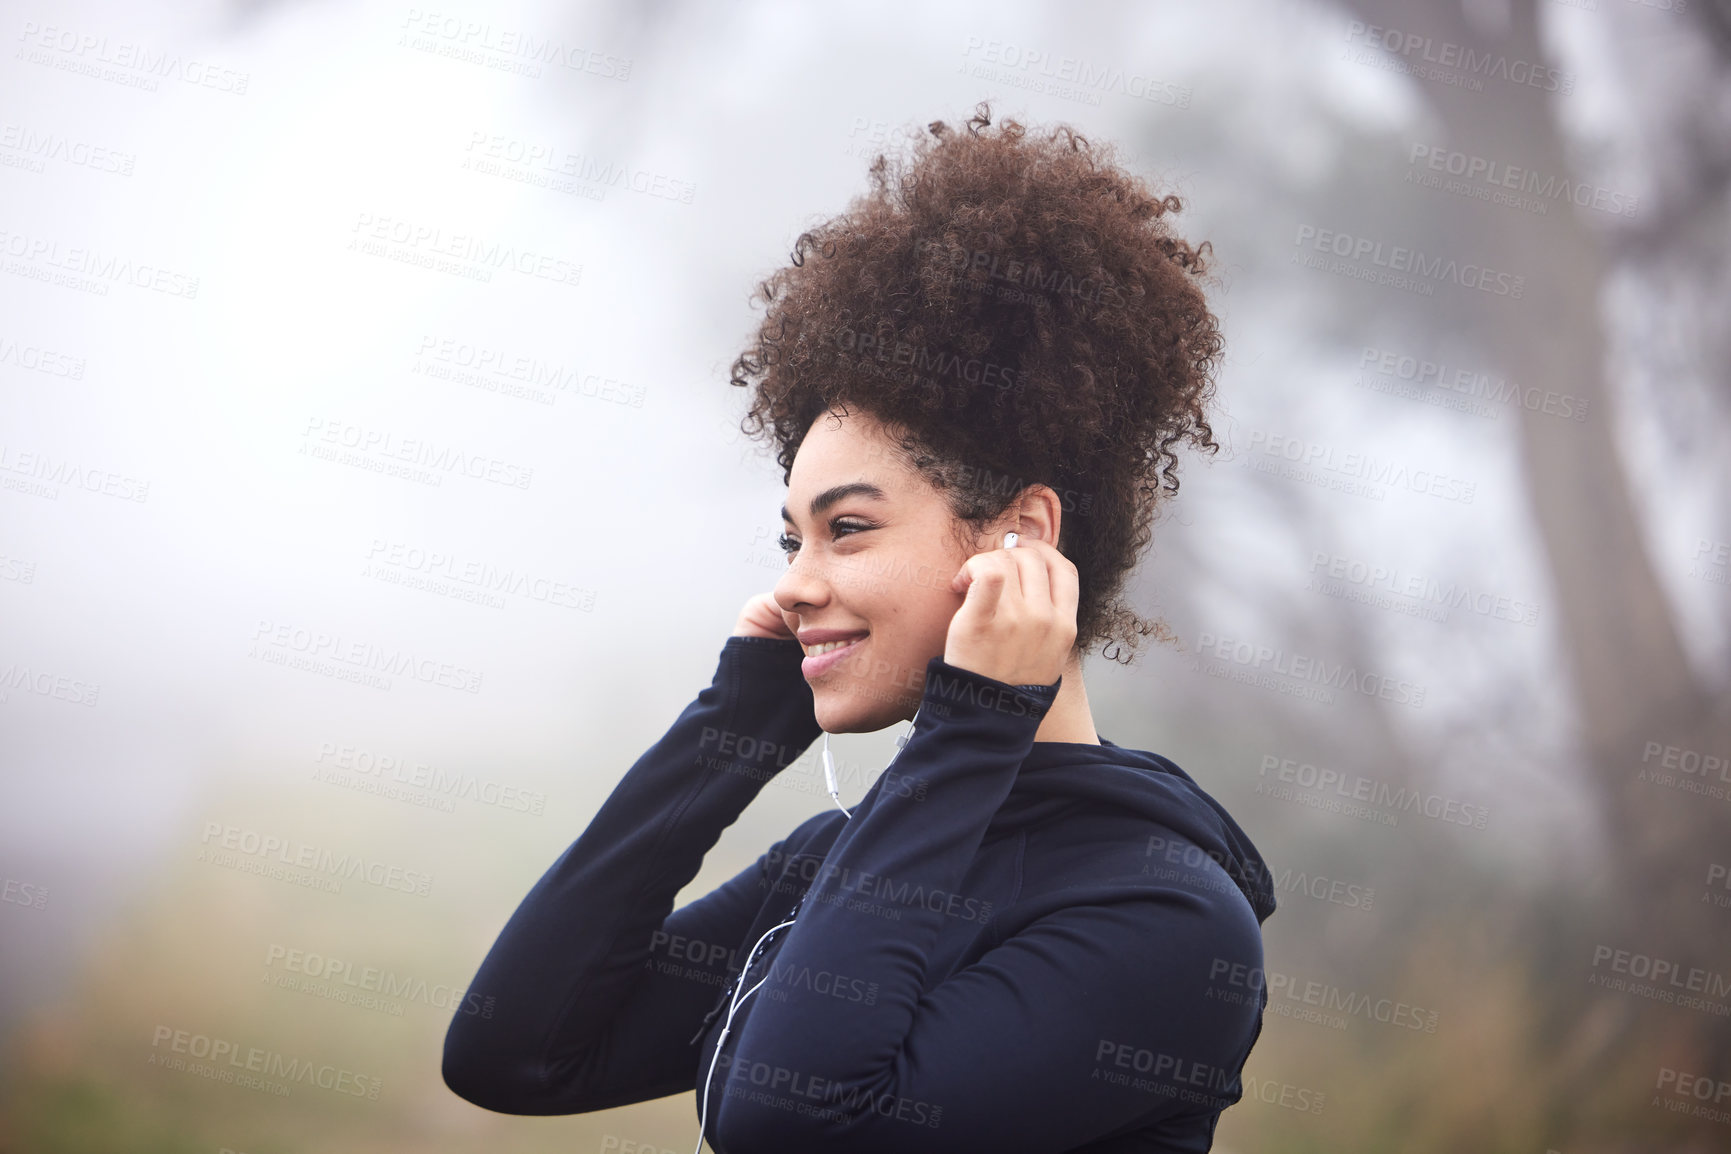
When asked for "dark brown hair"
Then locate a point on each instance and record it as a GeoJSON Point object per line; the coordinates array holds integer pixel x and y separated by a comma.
{"type": "Point", "coordinates": [1017, 309]}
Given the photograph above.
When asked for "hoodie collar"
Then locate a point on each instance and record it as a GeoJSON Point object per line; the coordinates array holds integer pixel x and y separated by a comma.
{"type": "Point", "coordinates": [1058, 774]}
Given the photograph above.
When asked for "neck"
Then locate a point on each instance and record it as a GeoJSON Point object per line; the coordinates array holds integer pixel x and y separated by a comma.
{"type": "Point", "coordinates": [1069, 718]}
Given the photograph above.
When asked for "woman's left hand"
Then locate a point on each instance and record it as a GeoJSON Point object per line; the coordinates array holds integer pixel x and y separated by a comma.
{"type": "Point", "coordinates": [1018, 621]}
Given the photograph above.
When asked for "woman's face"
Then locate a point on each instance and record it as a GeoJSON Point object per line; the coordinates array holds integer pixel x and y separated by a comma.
{"type": "Point", "coordinates": [872, 549]}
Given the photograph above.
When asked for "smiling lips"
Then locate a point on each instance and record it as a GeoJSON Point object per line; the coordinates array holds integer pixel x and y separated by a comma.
{"type": "Point", "coordinates": [824, 648]}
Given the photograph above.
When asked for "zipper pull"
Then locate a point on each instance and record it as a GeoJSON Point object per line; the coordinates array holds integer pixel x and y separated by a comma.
{"type": "Point", "coordinates": [714, 1011]}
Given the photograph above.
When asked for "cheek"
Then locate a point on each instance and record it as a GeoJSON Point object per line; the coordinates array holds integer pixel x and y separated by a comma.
{"type": "Point", "coordinates": [920, 610]}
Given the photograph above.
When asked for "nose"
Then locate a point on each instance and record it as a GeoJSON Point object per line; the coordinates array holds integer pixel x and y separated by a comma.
{"type": "Point", "coordinates": [802, 588]}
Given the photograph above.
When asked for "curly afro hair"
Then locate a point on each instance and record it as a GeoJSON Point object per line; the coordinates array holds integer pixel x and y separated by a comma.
{"type": "Point", "coordinates": [1017, 310]}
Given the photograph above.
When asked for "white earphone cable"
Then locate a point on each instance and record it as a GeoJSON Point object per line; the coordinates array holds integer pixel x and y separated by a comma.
{"type": "Point", "coordinates": [740, 993]}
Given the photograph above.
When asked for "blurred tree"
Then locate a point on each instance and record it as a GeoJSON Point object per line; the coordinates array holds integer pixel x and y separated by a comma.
{"type": "Point", "coordinates": [1632, 681]}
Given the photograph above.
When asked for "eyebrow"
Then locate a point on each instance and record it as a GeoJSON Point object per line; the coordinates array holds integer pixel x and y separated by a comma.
{"type": "Point", "coordinates": [830, 496]}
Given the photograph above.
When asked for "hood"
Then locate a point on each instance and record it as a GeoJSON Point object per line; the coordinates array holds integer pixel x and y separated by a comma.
{"type": "Point", "coordinates": [1058, 774]}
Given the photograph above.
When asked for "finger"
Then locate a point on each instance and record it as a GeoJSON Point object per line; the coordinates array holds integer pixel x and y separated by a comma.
{"type": "Point", "coordinates": [1033, 588]}
{"type": "Point", "coordinates": [1065, 582]}
{"type": "Point", "coordinates": [988, 578]}
{"type": "Point", "coordinates": [970, 570]}
{"type": "Point", "coordinates": [963, 578]}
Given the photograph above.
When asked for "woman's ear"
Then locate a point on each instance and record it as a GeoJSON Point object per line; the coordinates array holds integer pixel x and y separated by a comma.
{"type": "Point", "coordinates": [1038, 514]}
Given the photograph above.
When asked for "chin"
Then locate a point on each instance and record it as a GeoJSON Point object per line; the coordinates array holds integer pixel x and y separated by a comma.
{"type": "Point", "coordinates": [852, 708]}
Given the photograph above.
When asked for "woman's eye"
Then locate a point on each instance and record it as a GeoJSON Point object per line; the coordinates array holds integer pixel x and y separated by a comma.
{"type": "Point", "coordinates": [836, 529]}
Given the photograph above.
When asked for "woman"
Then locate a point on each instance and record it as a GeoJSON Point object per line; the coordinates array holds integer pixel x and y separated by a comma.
{"type": "Point", "coordinates": [1025, 937]}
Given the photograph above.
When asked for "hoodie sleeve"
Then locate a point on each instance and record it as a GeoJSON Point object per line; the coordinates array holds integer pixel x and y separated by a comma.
{"type": "Point", "coordinates": [1100, 1014]}
{"type": "Point", "coordinates": [596, 988]}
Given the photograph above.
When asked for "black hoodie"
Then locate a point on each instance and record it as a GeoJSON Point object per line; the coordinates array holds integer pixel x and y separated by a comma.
{"type": "Point", "coordinates": [1009, 946]}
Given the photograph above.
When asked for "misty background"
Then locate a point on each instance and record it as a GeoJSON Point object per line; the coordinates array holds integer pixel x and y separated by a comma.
{"type": "Point", "coordinates": [251, 289]}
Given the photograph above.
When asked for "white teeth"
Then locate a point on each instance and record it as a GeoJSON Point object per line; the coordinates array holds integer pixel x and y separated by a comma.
{"type": "Point", "coordinates": [825, 647]}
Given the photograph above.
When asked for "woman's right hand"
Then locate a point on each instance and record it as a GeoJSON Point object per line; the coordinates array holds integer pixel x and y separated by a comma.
{"type": "Point", "coordinates": [762, 617]}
